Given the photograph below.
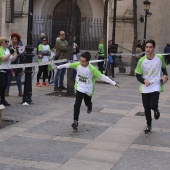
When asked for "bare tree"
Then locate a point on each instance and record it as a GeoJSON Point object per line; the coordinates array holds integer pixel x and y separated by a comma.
{"type": "Point", "coordinates": [105, 34]}
{"type": "Point", "coordinates": [70, 81]}
{"type": "Point", "coordinates": [132, 72]}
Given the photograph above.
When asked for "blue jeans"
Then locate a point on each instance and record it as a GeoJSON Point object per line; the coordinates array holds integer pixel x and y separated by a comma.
{"type": "Point", "coordinates": [18, 81]}
{"type": "Point", "coordinates": [60, 76]}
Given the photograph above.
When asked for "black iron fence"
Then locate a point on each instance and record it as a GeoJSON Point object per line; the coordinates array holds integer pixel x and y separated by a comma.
{"type": "Point", "coordinates": [87, 32]}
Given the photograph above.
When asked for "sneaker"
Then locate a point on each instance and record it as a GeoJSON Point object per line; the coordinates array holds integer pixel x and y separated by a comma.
{"type": "Point", "coordinates": [52, 83]}
{"type": "Point", "coordinates": [62, 88]}
{"type": "Point", "coordinates": [5, 103]}
{"type": "Point", "coordinates": [156, 114]}
{"type": "Point", "coordinates": [75, 125]}
{"type": "Point", "coordinates": [147, 130]}
{"type": "Point", "coordinates": [20, 94]}
{"type": "Point", "coordinates": [89, 109]}
{"type": "Point", "coordinates": [38, 84]}
{"type": "Point", "coordinates": [6, 93]}
{"type": "Point", "coordinates": [45, 84]}
{"type": "Point", "coordinates": [57, 89]}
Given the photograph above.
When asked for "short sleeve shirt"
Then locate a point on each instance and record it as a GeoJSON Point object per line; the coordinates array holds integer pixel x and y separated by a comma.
{"type": "Point", "coordinates": [152, 71]}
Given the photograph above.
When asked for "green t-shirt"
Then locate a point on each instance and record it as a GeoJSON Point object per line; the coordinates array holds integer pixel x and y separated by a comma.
{"type": "Point", "coordinates": [42, 47]}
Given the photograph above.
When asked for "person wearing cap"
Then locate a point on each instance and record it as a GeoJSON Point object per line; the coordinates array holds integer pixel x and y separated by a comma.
{"type": "Point", "coordinates": [6, 57]}
{"type": "Point", "coordinates": [17, 72]}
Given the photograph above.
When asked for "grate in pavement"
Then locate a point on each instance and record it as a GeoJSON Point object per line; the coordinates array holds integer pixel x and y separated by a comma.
{"type": "Point", "coordinates": [140, 114]}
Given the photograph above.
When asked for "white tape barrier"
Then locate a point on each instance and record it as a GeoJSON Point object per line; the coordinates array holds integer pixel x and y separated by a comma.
{"type": "Point", "coordinates": [11, 66]}
{"type": "Point", "coordinates": [130, 54]}
{"type": "Point", "coordinates": [127, 54]}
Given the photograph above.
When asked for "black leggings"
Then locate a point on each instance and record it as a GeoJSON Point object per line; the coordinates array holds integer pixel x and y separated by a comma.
{"type": "Point", "coordinates": [150, 101]}
{"type": "Point", "coordinates": [44, 70]}
{"type": "Point", "coordinates": [51, 75]}
{"type": "Point", "coordinates": [3, 83]}
{"type": "Point", "coordinates": [79, 98]}
{"type": "Point", "coordinates": [101, 64]}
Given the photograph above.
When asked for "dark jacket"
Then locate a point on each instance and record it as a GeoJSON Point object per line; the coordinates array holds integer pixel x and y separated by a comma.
{"type": "Point", "coordinates": [61, 47]}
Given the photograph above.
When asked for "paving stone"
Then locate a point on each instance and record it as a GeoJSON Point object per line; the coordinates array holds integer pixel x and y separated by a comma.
{"type": "Point", "coordinates": [64, 129]}
{"type": "Point", "coordinates": [117, 97]}
{"type": "Point", "coordinates": [31, 149]}
{"type": "Point", "coordinates": [93, 116]}
{"type": "Point", "coordinates": [18, 168]}
{"type": "Point", "coordinates": [155, 138]}
{"type": "Point", "coordinates": [115, 105]}
{"type": "Point", "coordinates": [74, 164]}
{"type": "Point", "coordinates": [134, 159]}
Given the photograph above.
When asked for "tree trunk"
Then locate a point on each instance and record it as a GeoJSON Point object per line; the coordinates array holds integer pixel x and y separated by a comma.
{"type": "Point", "coordinates": [105, 35]}
{"type": "Point", "coordinates": [70, 81]}
{"type": "Point", "coordinates": [132, 72]}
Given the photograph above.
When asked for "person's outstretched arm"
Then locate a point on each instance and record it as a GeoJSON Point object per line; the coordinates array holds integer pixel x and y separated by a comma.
{"type": "Point", "coordinates": [63, 66]}
{"type": "Point", "coordinates": [108, 80]}
{"type": "Point", "coordinates": [68, 65]}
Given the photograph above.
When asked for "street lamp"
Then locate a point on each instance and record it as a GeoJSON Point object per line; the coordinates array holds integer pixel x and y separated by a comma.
{"type": "Point", "coordinates": [146, 9]}
{"type": "Point", "coordinates": [28, 55]}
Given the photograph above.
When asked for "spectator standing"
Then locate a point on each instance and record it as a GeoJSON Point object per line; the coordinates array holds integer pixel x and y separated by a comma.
{"type": "Point", "coordinates": [50, 67]}
{"type": "Point", "coordinates": [61, 47]}
{"type": "Point", "coordinates": [43, 56]}
{"type": "Point", "coordinates": [167, 57]}
{"type": "Point", "coordinates": [139, 44]}
{"type": "Point", "coordinates": [6, 57]}
{"type": "Point", "coordinates": [109, 46]}
{"type": "Point", "coordinates": [148, 72]}
{"type": "Point", "coordinates": [40, 40]}
{"type": "Point", "coordinates": [100, 55]}
{"type": "Point", "coordinates": [111, 64]}
{"type": "Point", "coordinates": [75, 56]}
{"type": "Point", "coordinates": [138, 53]}
{"type": "Point", "coordinates": [17, 72]}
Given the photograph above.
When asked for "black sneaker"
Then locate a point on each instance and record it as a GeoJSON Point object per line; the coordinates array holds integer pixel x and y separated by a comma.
{"type": "Point", "coordinates": [57, 89]}
{"type": "Point", "coordinates": [5, 103]}
{"type": "Point", "coordinates": [75, 125]}
{"type": "Point", "coordinates": [62, 88]}
{"type": "Point", "coordinates": [147, 130]}
{"type": "Point", "coordinates": [156, 114]}
{"type": "Point", "coordinates": [89, 109]}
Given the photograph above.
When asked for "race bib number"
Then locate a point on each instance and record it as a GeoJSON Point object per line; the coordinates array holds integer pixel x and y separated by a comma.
{"type": "Point", "coordinates": [83, 80]}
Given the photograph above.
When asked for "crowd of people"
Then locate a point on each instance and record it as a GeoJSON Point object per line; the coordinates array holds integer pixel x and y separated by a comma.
{"type": "Point", "coordinates": [150, 71]}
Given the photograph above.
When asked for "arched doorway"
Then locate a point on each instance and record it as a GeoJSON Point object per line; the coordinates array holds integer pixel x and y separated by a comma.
{"type": "Point", "coordinates": [61, 20]}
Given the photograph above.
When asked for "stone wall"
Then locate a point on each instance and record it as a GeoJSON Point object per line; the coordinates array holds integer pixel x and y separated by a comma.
{"type": "Point", "coordinates": [124, 27]}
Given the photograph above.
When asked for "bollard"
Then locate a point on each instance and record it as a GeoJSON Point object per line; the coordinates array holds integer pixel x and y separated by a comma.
{"type": "Point", "coordinates": [28, 75]}
{"type": "Point", "coordinates": [1, 108]}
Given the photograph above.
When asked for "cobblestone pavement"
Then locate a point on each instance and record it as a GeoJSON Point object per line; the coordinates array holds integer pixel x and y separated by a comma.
{"type": "Point", "coordinates": [110, 138]}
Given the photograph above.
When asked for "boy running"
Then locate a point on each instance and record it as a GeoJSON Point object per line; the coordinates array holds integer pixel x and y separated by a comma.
{"type": "Point", "coordinates": [84, 84]}
{"type": "Point", "coordinates": [152, 74]}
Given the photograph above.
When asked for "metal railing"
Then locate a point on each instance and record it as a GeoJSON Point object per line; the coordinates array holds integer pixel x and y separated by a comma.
{"type": "Point", "coordinates": [87, 32]}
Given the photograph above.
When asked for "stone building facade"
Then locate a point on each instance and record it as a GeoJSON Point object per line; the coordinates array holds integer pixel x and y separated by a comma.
{"type": "Point", "coordinates": [157, 27]}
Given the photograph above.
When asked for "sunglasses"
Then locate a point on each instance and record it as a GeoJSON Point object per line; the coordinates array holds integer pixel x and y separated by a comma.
{"type": "Point", "coordinates": [44, 40]}
{"type": "Point", "coordinates": [7, 41]}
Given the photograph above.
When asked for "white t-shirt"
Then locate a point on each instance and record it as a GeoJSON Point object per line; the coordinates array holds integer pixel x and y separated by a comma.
{"type": "Point", "coordinates": [151, 70]}
{"type": "Point", "coordinates": [86, 77]}
{"type": "Point", "coordinates": [45, 48]}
